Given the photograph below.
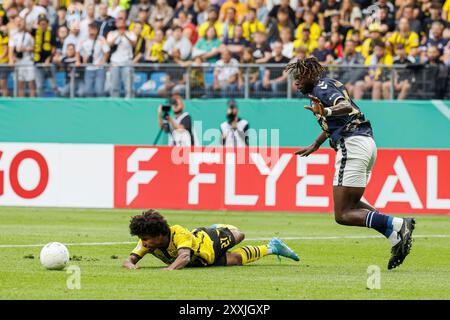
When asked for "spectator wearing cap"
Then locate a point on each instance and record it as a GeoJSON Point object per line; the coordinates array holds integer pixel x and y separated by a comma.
{"type": "Point", "coordinates": [239, 8]}
{"type": "Point", "coordinates": [94, 51]}
{"type": "Point", "coordinates": [44, 49]}
{"type": "Point", "coordinates": [314, 27]}
{"type": "Point", "coordinates": [377, 72]}
{"type": "Point", "coordinates": [212, 20]}
{"type": "Point", "coordinates": [283, 4]}
{"type": "Point", "coordinates": [252, 24]}
{"type": "Point", "coordinates": [161, 9]}
{"type": "Point", "coordinates": [306, 41]}
{"type": "Point", "coordinates": [147, 32]}
{"type": "Point", "coordinates": [401, 82]}
{"type": "Point", "coordinates": [374, 35]}
{"type": "Point", "coordinates": [404, 36]}
{"type": "Point", "coordinates": [121, 43]}
{"type": "Point", "coordinates": [225, 75]}
{"type": "Point", "coordinates": [234, 129]}
{"type": "Point", "coordinates": [105, 22]}
{"type": "Point", "coordinates": [187, 6]}
{"type": "Point", "coordinates": [177, 46]}
{"type": "Point", "coordinates": [261, 48]}
{"type": "Point", "coordinates": [208, 48]}
{"type": "Point", "coordinates": [274, 78]}
{"type": "Point", "coordinates": [30, 13]}
{"type": "Point", "coordinates": [136, 7]}
{"type": "Point", "coordinates": [21, 48]}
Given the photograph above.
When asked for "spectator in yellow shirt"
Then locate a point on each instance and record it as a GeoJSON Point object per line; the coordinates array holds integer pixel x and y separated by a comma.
{"type": "Point", "coordinates": [252, 25]}
{"type": "Point", "coordinates": [142, 18]}
{"type": "Point", "coordinates": [212, 20]}
{"type": "Point", "coordinates": [154, 51]}
{"type": "Point", "coordinates": [404, 36]}
{"type": "Point", "coordinates": [229, 24]}
{"type": "Point", "coordinates": [374, 35]}
{"type": "Point", "coordinates": [306, 41]}
{"type": "Point", "coordinates": [4, 39]}
{"type": "Point", "coordinates": [314, 27]}
{"type": "Point", "coordinates": [376, 73]}
{"type": "Point", "coordinates": [241, 10]}
{"type": "Point", "coordinates": [446, 11]}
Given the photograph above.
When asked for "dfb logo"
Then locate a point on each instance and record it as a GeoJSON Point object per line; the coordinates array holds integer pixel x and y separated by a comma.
{"type": "Point", "coordinates": [139, 176]}
{"type": "Point", "coordinates": [14, 169]}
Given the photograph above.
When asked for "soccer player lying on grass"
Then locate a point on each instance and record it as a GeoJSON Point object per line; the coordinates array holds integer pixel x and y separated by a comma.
{"type": "Point", "coordinates": [178, 247]}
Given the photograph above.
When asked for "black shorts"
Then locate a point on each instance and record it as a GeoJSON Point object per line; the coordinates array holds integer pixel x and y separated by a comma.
{"type": "Point", "coordinates": [223, 240]}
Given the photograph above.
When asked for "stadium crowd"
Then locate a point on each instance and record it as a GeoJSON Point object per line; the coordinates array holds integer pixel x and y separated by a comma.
{"type": "Point", "coordinates": [39, 38]}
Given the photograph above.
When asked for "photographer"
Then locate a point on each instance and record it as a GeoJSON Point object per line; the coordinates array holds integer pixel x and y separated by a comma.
{"type": "Point", "coordinates": [234, 130]}
{"type": "Point", "coordinates": [179, 128]}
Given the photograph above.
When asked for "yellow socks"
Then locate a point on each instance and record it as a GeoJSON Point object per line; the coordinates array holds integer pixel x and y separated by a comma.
{"type": "Point", "coordinates": [252, 253]}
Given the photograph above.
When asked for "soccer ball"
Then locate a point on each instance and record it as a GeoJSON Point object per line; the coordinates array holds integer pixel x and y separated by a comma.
{"type": "Point", "coordinates": [54, 256]}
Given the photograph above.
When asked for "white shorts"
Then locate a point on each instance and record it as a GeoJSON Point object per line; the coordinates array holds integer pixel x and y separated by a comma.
{"type": "Point", "coordinates": [25, 71]}
{"type": "Point", "coordinates": [354, 161]}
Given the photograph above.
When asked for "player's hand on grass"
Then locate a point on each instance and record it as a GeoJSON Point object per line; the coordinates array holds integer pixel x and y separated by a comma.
{"type": "Point", "coordinates": [304, 152]}
{"type": "Point", "coordinates": [316, 107]}
{"type": "Point", "coordinates": [129, 265]}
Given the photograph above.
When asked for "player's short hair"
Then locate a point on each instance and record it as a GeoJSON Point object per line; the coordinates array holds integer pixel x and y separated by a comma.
{"type": "Point", "coordinates": [309, 68]}
{"type": "Point", "coordinates": [149, 223]}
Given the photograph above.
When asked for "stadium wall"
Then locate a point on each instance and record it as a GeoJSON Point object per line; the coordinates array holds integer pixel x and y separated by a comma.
{"type": "Point", "coordinates": [77, 170]}
{"type": "Point", "coordinates": [397, 124]}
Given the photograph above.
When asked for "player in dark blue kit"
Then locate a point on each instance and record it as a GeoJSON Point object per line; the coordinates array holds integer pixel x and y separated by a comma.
{"type": "Point", "coordinates": [351, 136]}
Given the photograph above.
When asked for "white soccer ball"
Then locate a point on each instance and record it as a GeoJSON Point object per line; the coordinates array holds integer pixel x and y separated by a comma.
{"type": "Point", "coordinates": [54, 256]}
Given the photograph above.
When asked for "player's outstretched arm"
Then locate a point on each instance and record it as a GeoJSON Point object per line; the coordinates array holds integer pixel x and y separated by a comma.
{"type": "Point", "coordinates": [183, 258]}
{"type": "Point", "coordinates": [304, 152]}
{"type": "Point", "coordinates": [131, 262]}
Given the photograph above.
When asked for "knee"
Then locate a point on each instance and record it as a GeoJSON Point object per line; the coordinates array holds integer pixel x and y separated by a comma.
{"type": "Point", "coordinates": [238, 235]}
{"type": "Point", "coordinates": [340, 217]}
{"type": "Point", "coordinates": [234, 259]}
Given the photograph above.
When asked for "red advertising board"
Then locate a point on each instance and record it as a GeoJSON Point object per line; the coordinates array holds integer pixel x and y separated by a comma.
{"type": "Point", "coordinates": [403, 181]}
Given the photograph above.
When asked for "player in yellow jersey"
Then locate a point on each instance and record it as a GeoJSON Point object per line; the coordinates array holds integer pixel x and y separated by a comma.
{"type": "Point", "coordinates": [178, 247]}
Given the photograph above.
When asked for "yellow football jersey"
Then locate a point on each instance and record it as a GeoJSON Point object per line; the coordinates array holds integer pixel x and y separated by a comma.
{"type": "Point", "coordinates": [199, 242]}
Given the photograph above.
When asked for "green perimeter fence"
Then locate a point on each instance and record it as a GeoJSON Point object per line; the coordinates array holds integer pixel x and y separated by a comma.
{"type": "Point", "coordinates": [397, 124]}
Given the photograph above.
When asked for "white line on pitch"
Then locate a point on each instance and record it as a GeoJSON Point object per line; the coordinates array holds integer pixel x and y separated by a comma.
{"type": "Point", "coordinates": [248, 239]}
{"type": "Point", "coordinates": [442, 107]}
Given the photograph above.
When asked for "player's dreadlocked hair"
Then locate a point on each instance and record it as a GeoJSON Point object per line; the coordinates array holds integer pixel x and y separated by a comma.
{"type": "Point", "coordinates": [150, 223]}
{"type": "Point", "coordinates": [308, 68]}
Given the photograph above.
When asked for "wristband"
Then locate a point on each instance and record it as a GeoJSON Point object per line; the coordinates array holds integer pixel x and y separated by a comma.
{"type": "Point", "coordinates": [328, 112]}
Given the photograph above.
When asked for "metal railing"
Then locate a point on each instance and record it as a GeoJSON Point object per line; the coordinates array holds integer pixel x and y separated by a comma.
{"type": "Point", "coordinates": [199, 81]}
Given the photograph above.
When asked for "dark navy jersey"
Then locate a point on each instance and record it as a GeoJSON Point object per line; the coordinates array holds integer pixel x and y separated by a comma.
{"type": "Point", "coordinates": [329, 92]}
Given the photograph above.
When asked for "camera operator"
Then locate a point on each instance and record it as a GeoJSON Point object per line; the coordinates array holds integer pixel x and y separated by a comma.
{"type": "Point", "coordinates": [234, 130]}
{"type": "Point", "coordinates": [179, 128]}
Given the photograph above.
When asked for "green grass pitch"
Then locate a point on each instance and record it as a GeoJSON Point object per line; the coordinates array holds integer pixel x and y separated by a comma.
{"type": "Point", "coordinates": [333, 268]}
